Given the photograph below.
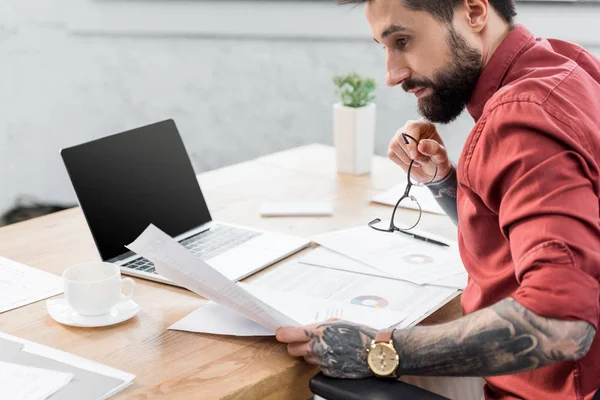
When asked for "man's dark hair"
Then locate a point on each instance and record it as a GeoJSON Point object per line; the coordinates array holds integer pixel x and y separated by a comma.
{"type": "Point", "coordinates": [443, 10]}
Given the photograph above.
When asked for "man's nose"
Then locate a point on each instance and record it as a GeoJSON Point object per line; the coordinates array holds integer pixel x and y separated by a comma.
{"type": "Point", "coordinates": [396, 72]}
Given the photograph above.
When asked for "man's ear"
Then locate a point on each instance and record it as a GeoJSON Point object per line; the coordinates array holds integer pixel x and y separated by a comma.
{"type": "Point", "coordinates": [476, 14]}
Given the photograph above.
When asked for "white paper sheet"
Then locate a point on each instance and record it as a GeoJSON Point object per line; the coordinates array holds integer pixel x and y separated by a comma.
{"type": "Point", "coordinates": [408, 302]}
{"type": "Point", "coordinates": [19, 382]}
{"type": "Point", "coordinates": [21, 285]}
{"type": "Point", "coordinates": [76, 361]}
{"type": "Point", "coordinates": [396, 254]}
{"type": "Point", "coordinates": [178, 264]}
{"type": "Point", "coordinates": [296, 209]}
{"type": "Point", "coordinates": [324, 257]}
{"type": "Point", "coordinates": [216, 319]}
{"type": "Point", "coordinates": [308, 310]}
{"type": "Point", "coordinates": [425, 309]}
{"type": "Point", "coordinates": [422, 194]}
{"type": "Point", "coordinates": [456, 281]}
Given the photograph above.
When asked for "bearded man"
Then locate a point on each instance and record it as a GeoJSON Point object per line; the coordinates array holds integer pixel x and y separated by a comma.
{"type": "Point", "coordinates": [524, 195]}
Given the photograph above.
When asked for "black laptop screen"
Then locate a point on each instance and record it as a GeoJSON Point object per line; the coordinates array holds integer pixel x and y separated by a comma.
{"type": "Point", "coordinates": [126, 181]}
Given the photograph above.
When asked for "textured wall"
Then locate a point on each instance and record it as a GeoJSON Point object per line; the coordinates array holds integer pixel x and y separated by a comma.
{"type": "Point", "coordinates": [233, 99]}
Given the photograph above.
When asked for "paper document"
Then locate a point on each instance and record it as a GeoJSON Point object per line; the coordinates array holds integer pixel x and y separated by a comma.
{"type": "Point", "coordinates": [309, 309]}
{"type": "Point", "coordinates": [91, 380]}
{"type": "Point", "coordinates": [268, 308]}
{"type": "Point", "coordinates": [178, 264]}
{"type": "Point", "coordinates": [296, 209]}
{"type": "Point", "coordinates": [216, 319]}
{"type": "Point", "coordinates": [455, 281]}
{"type": "Point", "coordinates": [423, 195]}
{"type": "Point", "coordinates": [19, 382]}
{"type": "Point", "coordinates": [323, 257]}
{"type": "Point", "coordinates": [21, 285]}
{"type": "Point", "coordinates": [407, 301]}
{"type": "Point", "coordinates": [396, 254]}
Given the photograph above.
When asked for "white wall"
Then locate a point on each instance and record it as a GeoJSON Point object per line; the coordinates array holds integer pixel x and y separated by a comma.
{"type": "Point", "coordinates": [234, 98]}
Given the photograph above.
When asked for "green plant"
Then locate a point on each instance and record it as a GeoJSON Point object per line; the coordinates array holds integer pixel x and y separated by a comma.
{"type": "Point", "coordinates": [354, 90]}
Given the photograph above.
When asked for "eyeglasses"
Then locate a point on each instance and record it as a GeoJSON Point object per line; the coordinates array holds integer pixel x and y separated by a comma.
{"type": "Point", "coordinates": [405, 223]}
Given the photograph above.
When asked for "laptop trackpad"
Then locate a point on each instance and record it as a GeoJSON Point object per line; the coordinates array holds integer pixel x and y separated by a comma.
{"type": "Point", "coordinates": [253, 255]}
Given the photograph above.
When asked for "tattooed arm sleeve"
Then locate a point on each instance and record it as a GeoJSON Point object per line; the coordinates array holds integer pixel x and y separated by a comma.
{"type": "Point", "coordinates": [505, 338]}
{"type": "Point", "coordinates": [444, 192]}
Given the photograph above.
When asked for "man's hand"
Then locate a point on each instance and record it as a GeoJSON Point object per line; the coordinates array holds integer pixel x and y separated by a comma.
{"type": "Point", "coordinates": [338, 347]}
{"type": "Point", "coordinates": [427, 154]}
{"type": "Point", "coordinates": [505, 338]}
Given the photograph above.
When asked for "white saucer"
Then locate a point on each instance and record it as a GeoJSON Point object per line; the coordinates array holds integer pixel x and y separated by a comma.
{"type": "Point", "coordinates": [61, 312]}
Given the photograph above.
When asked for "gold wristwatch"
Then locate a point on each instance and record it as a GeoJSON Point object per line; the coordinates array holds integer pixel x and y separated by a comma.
{"type": "Point", "coordinates": [382, 356]}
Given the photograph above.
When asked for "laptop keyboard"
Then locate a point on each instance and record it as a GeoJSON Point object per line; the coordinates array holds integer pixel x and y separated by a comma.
{"type": "Point", "coordinates": [205, 245]}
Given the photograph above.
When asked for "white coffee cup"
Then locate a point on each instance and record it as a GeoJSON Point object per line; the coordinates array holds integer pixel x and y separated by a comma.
{"type": "Point", "coordinates": [94, 288]}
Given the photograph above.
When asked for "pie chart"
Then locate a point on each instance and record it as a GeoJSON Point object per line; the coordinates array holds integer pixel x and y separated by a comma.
{"type": "Point", "coordinates": [417, 259]}
{"type": "Point", "coordinates": [370, 301]}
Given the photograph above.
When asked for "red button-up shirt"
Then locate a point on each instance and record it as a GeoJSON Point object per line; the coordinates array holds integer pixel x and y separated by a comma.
{"type": "Point", "coordinates": [528, 199]}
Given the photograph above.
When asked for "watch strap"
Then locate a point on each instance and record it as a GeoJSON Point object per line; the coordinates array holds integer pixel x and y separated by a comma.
{"type": "Point", "coordinates": [384, 336]}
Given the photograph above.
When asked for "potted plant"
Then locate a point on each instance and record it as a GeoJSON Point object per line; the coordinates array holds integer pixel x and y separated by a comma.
{"type": "Point", "coordinates": [354, 123]}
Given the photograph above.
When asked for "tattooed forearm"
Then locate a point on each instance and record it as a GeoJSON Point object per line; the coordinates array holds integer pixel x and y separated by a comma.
{"type": "Point", "coordinates": [503, 339]}
{"type": "Point", "coordinates": [444, 192]}
{"type": "Point", "coordinates": [341, 347]}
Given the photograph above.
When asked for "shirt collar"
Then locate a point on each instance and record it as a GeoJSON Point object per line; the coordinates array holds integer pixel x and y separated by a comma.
{"type": "Point", "coordinates": [496, 69]}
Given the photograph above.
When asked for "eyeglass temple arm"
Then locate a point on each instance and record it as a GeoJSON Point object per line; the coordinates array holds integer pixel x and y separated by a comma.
{"type": "Point", "coordinates": [409, 183]}
{"type": "Point", "coordinates": [408, 186]}
{"type": "Point", "coordinates": [404, 138]}
{"type": "Point", "coordinates": [406, 135]}
{"type": "Point", "coordinates": [377, 220]}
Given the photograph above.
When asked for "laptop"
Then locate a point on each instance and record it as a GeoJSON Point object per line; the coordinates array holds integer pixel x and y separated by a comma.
{"type": "Point", "coordinates": [126, 181]}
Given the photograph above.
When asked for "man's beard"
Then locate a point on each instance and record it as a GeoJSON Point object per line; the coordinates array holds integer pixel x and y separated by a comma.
{"type": "Point", "coordinates": [452, 86]}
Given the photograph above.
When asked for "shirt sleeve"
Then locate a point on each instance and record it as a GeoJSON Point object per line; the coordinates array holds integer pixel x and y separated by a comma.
{"type": "Point", "coordinates": [530, 169]}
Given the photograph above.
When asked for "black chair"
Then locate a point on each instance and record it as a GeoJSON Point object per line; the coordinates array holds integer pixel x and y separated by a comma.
{"type": "Point", "coordinates": [373, 389]}
{"type": "Point", "coordinates": [368, 389]}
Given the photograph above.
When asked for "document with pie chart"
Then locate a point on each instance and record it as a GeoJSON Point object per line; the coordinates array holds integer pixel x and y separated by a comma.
{"type": "Point", "coordinates": [396, 254]}
{"type": "Point", "coordinates": [409, 301]}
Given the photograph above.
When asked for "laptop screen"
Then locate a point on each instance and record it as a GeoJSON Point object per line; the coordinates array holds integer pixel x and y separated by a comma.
{"type": "Point", "coordinates": [126, 181]}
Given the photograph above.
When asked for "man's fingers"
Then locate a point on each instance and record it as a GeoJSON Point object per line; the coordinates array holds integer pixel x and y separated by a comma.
{"type": "Point", "coordinates": [435, 150]}
{"type": "Point", "coordinates": [420, 158]}
{"type": "Point", "coordinates": [299, 349]}
{"type": "Point", "coordinates": [332, 373]}
{"type": "Point", "coordinates": [292, 334]}
{"type": "Point", "coordinates": [412, 142]}
{"type": "Point", "coordinates": [397, 152]}
{"type": "Point", "coordinates": [392, 156]}
{"type": "Point", "coordinates": [413, 130]}
{"type": "Point", "coordinates": [311, 360]}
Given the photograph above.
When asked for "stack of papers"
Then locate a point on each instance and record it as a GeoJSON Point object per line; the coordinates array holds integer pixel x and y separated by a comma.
{"type": "Point", "coordinates": [19, 382]}
{"type": "Point", "coordinates": [31, 371]}
{"type": "Point", "coordinates": [268, 308]}
{"type": "Point", "coordinates": [179, 265]}
{"type": "Point", "coordinates": [293, 294]}
{"type": "Point", "coordinates": [21, 285]}
{"type": "Point", "coordinates": [423, 195]}
{"type": "Point", "coordinates": [395, 254]}
{"type": "Point", "coordinates": [324, 257]}
{"type": "Point", "coordinates": [407, 302]}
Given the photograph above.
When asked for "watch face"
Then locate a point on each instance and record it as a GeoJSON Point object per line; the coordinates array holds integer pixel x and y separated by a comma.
{"type": "Point", "coordinates": [383, 359]}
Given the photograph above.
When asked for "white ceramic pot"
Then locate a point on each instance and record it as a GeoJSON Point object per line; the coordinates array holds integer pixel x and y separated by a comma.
{"type": "Point", "coordinates": [354, 138]}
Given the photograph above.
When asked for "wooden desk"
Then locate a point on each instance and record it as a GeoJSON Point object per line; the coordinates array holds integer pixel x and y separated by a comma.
{"type": "Point", "coordinates": [184, 365]}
